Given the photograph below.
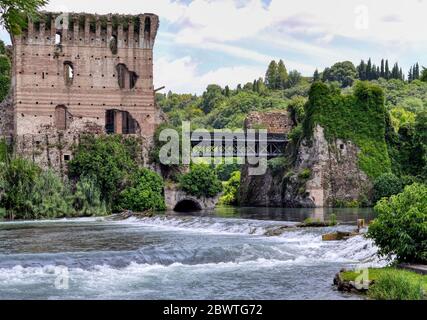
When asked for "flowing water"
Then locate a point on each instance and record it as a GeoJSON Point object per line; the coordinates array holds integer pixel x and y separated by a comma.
{"type": "Point", "coordinates": [223, 254]}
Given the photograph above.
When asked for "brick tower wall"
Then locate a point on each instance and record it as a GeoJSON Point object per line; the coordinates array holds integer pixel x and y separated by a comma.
{"type": "Point", "coordinates": [71, 71]}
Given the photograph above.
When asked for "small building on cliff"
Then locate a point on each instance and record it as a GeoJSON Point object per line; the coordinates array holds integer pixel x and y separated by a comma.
{"type": "Point", "coordinates": [77, 74]}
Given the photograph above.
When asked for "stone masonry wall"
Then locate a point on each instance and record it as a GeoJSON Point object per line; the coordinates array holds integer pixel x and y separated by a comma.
{"type": "Point", "coordinates": [77, 74]}
{"type": "Point", "coordinates": [276, 122]}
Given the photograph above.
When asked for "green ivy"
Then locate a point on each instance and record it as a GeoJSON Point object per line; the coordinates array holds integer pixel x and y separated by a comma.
{"type": "Point", "coordinates": [359, 117]}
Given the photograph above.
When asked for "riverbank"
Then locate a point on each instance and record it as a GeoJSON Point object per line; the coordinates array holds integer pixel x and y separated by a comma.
{"type": "Point", "coordinates": [391, 283]}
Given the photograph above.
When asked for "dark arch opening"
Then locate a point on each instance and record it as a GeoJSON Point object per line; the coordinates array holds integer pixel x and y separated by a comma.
{"type": "Point", "coordinates": [187, 205]}
{"type": "Point", "coordinates": [147, 25]}
{"type": "Point", "coordinates": [113, 44]}
{"type": "Point", "coordinates": [61, 122]}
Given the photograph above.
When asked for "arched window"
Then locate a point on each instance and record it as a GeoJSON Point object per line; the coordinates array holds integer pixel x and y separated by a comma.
{"type": "Point", "coordinates": [58, 38]}
{"type": "Point", "coordinates": [127, 79]}
{"type": "Point", "coordinates": [61, 117]}
{"type": "Point", "coordinates": [68, 73]}
{"type": "Point", "coordinates": [113, 44]}
{"type": "Point", "coordinates": [147, 25]}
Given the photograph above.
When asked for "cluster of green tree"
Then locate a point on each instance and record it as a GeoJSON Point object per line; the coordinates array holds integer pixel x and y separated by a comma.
{"type": "Point", "coordinates": [219, 107]}
{"type": "Point", "coordinates": [277, 76]}
{"type": "Point", "coordinates": [104, 177]}
{"type": "Point", "coordinates": [343, 73]}
{"type": "Point", "coordinates": [414, 72]}
{"type": "Point", "coordinates": [5, 70]}
{"type": "Point", "coordinates": [369, 71]}
{"type": "Point", "coordinates": [114, 162]}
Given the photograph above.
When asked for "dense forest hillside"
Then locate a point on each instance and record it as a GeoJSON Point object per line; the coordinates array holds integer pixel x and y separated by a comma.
{"type": "Point", "coordinates": [401, 141]}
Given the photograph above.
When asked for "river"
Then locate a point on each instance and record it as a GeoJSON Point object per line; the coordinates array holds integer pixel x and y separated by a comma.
{"type": "Point", "coordinates": [222, 254]}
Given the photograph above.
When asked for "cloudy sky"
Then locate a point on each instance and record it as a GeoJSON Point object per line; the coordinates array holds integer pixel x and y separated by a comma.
{"type": "Point", "coordinates": [232, 41]}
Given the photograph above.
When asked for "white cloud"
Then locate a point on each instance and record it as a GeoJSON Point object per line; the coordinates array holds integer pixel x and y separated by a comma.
{"type": "Point", "coordinates": [306, 27]}
{"type": "Point", "coordinates": [181, 75]}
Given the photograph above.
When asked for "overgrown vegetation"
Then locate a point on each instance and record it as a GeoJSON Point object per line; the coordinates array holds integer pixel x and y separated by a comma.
{"type": "Point", "coordinates": [201, 181]}
{"type": "Point", "coordinates": [110, 159]}
{"type": "Point", "coordinates": [386, 185]}
{"type": "Point", "coordinates": [105, 177]}
{"type": "Point", "coordinates": [392, 284]}
{"type": "Point", "coordinates": [231, 190]}
{"type": "Point", "coordinates": [340, 114]}
{"type": "Point", "coordinates": [145, 191]}
{"type": "Point", "coordinates": [5, 72]}
{"type": "Point", "coordinates": [400, 229]}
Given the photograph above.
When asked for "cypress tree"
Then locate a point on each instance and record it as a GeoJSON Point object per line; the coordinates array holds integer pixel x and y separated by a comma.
{"type": "Point", "coordinates": [416, 74]}
{"type": "Point", "coordinates": [369, 70]}
{"type": "Point", "coordinates": [271, 75]}
{"type": "Point", "coordinates": [282, 75]}
{"type": "Point", "coordinates": [316, 75]}
{"type": "Point", "coordinates": [227, 91]}
{"type": "Point", "coordinates": [362, 70]}
{"type": "Point", "coordinates": [387, 70]}
{"type": "Point", "coordinates": [382, 72]}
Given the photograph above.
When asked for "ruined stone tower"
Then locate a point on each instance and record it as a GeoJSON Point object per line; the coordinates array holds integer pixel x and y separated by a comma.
{"type": "Point", "coordinates": [79, 73]}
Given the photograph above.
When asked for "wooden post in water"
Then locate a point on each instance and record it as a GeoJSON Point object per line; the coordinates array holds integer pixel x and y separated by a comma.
{"type": "Point", "coordinates": [360, 224]}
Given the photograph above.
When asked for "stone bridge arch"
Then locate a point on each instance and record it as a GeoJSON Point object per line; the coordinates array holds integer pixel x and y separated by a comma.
{"type": "Point", "coordinates": [188, 205]}
{"type": "Point", "coordinates": [180, 201]}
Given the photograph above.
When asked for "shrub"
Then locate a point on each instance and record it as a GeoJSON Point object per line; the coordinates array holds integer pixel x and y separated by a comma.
{"type": "Point", "coordinates": [18, 178]}
{"type": "Point", "coordinates": [30, 193]}
{"type": "Point", "coordinates": [50, 198]}
{"type": "Point", "coordinates": [231, 190]}
{"type": "Point", "coordinates": [386, 185]}
{"type": "Point", "coordinates": [145, 192]}
{"type": "Point", "coordinates": [396, 285]}
{"type": "Point", "coordinates": [87, 198]}
{"type": "Point", "coordinates": [225, 171]}
{"type": "Point", "coordinates": [296, 134]}
{"type": "Point", "coordinates": [400, 228]}
{"type": "Point", "coordinates": [109, 159]}
{"type": "Point", "coordinates": [304, 174]}
{"type": "Point", "coordinates": [200, 181]}
{"type": "Point", "coordinates": [5, 65]}
{"type": "Point", "coordinates": [4, 86]}
{"type": "Point", "coordinates": [276, 165]}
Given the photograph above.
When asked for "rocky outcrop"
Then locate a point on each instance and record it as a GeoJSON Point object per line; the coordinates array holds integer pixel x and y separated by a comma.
{"type": "Point", "coordinates": [335, 178]}
{"type": "Point", "coordinates": [321, 173]}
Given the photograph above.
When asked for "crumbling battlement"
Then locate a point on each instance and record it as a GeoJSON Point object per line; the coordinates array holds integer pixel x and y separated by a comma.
{"type": "Point", "coordinates": [80, 73]}
{"type": "Point", "coordinates": [275, 122]}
